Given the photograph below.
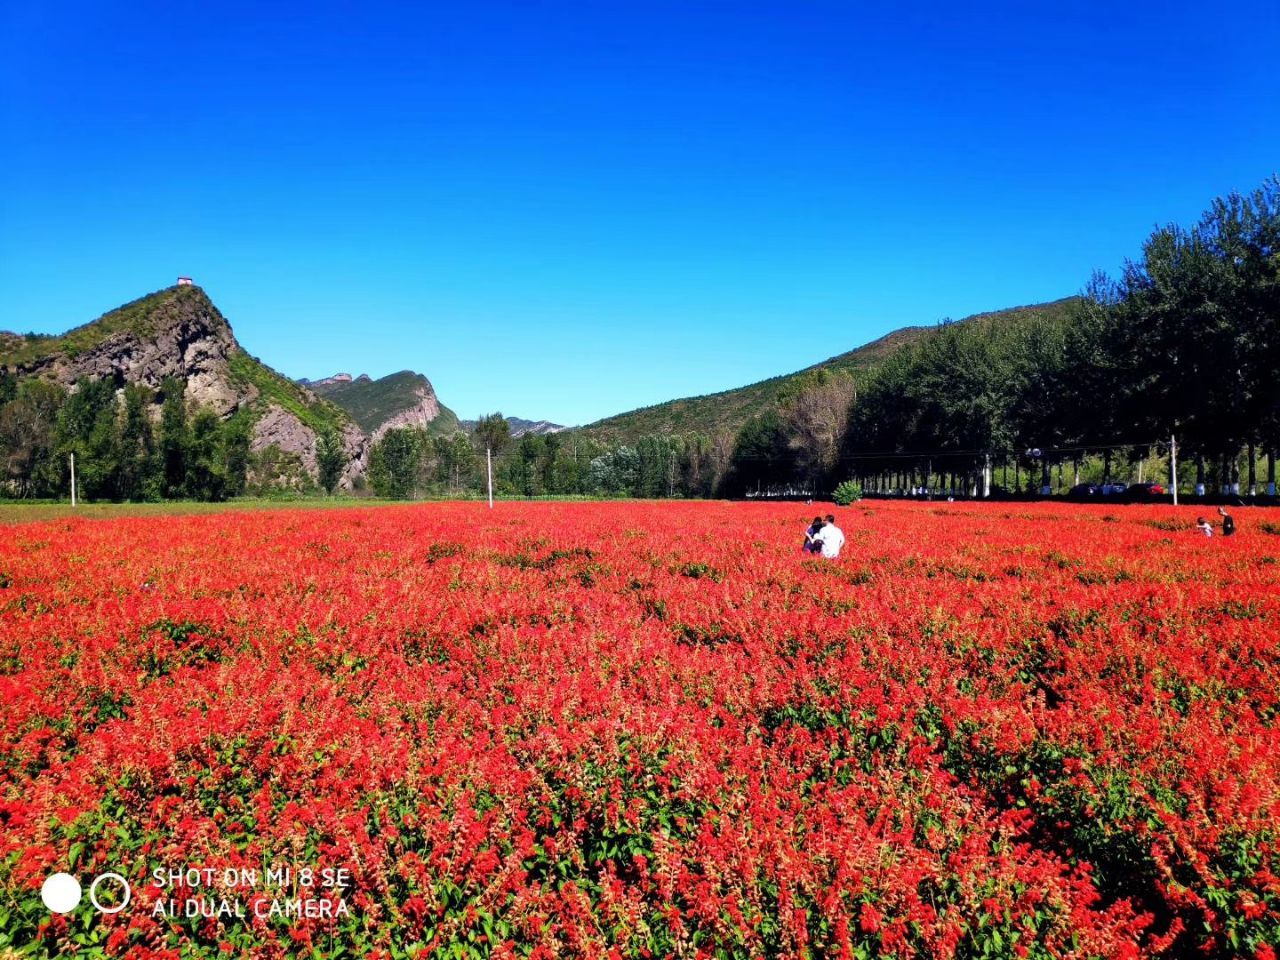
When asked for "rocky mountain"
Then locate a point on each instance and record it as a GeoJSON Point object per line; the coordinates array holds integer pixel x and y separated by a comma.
{"type": "Point", "coordinates": [404, 399]}
{"type": "Point", "coordinates": [337, 378]}
{"type": "Point", "coordinates": [178, 332]}
{"type": "Point", "coordinates": [520, 426]}
{"type": "Point", "coordinates": [724, 413]}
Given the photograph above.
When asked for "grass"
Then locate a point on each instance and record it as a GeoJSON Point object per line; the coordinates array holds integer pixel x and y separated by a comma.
{"type": "Point", "coordinates": [15, 512]}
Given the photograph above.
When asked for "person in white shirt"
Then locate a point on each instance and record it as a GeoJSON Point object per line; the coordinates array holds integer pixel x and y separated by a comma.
{"type": "Point", "coordinates": [830, 538]}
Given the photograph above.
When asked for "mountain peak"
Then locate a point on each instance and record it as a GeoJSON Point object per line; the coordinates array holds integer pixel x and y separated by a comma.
{"type": "Point", "coordinates": [520, 426]}
{"type": "Point", "coordinates": [402, 399]}
{"type": "Point", "coordinates": [326, 381]}
{"type": "Point", "coordinates": [178, 333]}
{"type": "Point", "coordinates": [146, 318]}
{"type": "Point", "coordinates": [164, 321]}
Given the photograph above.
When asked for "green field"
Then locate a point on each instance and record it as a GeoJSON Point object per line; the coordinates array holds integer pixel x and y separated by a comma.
{"type": "Point", "coordinates": [33, 512]}
{"type": "Point", "coordinates": [15, 512]}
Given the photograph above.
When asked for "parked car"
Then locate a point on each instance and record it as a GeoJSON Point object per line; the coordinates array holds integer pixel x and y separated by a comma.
{"type": "Point", "coordinates": [1084, 491]}
{"type": "Point", "coordinates": [1113, 489]}
{"type": "Point", "coordinates": [1138, 492]}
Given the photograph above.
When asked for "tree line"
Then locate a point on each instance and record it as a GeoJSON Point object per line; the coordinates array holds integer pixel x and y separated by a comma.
{"type": "Point", "coordinates": [407, 462]}
{"type": "Point", "coordinates": [1184, 343]}
{"type": "Point", "coordinates": [125, 449]}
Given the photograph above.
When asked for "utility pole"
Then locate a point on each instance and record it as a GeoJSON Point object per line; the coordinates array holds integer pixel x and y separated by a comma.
{"type": "Point", "coordinates": [1173, 466]}
{"type": "Point", "coordinates": [73, 479]}
{"type": "Point", "coordinates": [488, 456]}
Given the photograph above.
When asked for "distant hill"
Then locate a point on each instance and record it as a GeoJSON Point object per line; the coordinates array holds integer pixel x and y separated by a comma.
{"type": "Point", "coordinates": [725, 412]}
{"type": "Point", "coordinates": [520, 426]}
{"type": "Point", "coordinates": [178, 332]}
{"type": "Point", "coordinates": [404, 399]}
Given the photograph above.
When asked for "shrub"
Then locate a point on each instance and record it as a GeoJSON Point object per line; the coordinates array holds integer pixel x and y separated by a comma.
{"type": "Point", "coordinates": [847, 493]}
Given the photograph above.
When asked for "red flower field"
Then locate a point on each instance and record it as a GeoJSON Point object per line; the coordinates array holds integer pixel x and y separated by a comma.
{"type": "Point", "coordinates": [643, 730]}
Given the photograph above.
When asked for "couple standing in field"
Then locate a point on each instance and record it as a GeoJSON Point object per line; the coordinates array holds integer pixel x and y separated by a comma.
{"type": "Point", "coordinates": [823, 536]}
{"type": "Point", "coordinates": [1228, 524]}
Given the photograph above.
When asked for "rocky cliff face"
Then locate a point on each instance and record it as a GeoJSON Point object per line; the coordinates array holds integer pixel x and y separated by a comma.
{"type": "Point", "coordinates": [426, 409]}
{"type": "Point", "coordinates": [404, 399]}
{"type": "Point", "coordinates": [181, 336]}
{"type": "Point", "coordinates": [179, 333]}
{"type": "Point", "coordinates": [285, 430]}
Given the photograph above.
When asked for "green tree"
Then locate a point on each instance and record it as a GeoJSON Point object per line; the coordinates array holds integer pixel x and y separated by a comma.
{"type": "Point", "coordinates": [237, 443]}
{"type": "Point", "coordinates": [492, 432]}
{"type": "Point", "coordinates": [525, 471]}
{"type": "Point", "coordinates": [139, 466]}
{"type": "Point", "coordinates": [393, 463]}
{"type": "Point", "coordinates": [815, 411]}
{"type": "Point", "coordinates": [175, 439]}
{"type": "Point", "coordinates": [28, 439]}
{"type": "Point", "coordinates": [206, 477]}
{"type": "Point", "coordinates": [615, 472]}
{"type": "Point", "coordinates": [762, 456]}
{"type": "Point", "coordinates": [1193, 326]}
{"type": "Point", "coordinates": [457, 458]}
{"type": "Point", "coordinates": [551, 452]}
{"type": "Point", "coordinates": [696, 465]}
{"type": "Point", "coordinates": [331, 459]}
{"type": "Point", "coordinates": [653, 455]}
{"type": "Point", "coordinates": [570, 470]}
{"type": "Point", "coordinates": [86, 428]}
{"type": "Point", "coordinates": [103, 466]}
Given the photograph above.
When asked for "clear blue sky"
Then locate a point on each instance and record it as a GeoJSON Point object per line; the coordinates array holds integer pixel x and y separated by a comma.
{"type": "Point", "coordinates": [566, 210]}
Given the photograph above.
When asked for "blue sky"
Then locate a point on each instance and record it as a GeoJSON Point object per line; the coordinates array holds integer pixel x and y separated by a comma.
{"type": "Point", "coordinates": [566, 210]}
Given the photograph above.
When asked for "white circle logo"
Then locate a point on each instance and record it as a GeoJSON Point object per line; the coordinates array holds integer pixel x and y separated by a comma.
{"type": "Point", "coordinates": [93, 892]}
{"type": "Point", "coordinates": [60, 892]}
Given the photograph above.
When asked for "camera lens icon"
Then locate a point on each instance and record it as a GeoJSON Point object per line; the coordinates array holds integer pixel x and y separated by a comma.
{"type": "Point", "coordinates": [126, 893]}
{"type": "Point", "coordinates": [61, 892]}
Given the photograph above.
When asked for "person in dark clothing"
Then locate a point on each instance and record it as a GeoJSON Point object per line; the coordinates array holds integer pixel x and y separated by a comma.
{"type": "Point", "coordinates": [810, 544]}
{"type": "Point", "coordinates": [1228, 522]}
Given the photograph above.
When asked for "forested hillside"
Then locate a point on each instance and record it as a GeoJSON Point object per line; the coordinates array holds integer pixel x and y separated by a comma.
{"type": "Point", "coordinates": [1185, 343]}
{"type": "Point", "coordinates": [716, 414]}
